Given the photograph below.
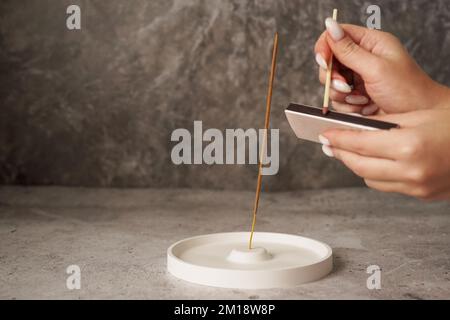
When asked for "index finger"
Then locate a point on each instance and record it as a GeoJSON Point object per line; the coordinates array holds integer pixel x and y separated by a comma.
{"type": "Point", "coordinates": [322, 47]}
{"type": "Point", "coordinates": [407, 119]}
{"type": "Point", "coordinates": [378, 143]}
{"type": "Point", "coordinates": [357, 33]}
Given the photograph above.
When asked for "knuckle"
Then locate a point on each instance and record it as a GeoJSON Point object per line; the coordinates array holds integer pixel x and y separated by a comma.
{"type": "Point", "coordinates": [350, 140]}
{"type": "Point", "coordinates": [413, 148]}
{"type": "Point", "coordinates": [338, 139]}
{"type": "Point", "coordinates": [359, 148]}
{"type": "Point", "coordinates": [359, 168]}
{"type": "Point", "coordinates": [420, 175]}
{"type": "Point", "coordinates": [349, 47]}
{"type": "Point", "coordinates": [370, 184]}
{"type": "Point", "coordinates": [390, 38]}
{"type": "Point", "coordinates": [424, 193]}
{"type": "Point", "coordinates": [356, 139]}
{"type": "Point", "coordinates": [386, 35]}
{"type": "Point", "coordinates": [375, 186]}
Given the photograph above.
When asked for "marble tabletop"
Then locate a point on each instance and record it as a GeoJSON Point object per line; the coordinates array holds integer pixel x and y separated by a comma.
{"type": "Point", "coordinates": [119, 238]}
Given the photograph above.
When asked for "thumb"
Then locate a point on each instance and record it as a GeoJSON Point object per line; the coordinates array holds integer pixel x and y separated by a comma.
{"type": "Point", "coordinates": [348, 52]}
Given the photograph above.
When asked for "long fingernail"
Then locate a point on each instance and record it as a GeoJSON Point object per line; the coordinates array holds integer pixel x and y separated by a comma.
{"type": "Point", "coordinates": [341, 86]}
{"type": "Point", "coordinates": [334, 29]}
{"type": "Point", "coordinates": [321, 61]}
{"type": "Point", "coordinates": [324, 140]}
{"type": "Point", "coordinates": [354, 99]}
{"type": "Point", "coordinates": [327, 150]}
{"type": "Point", "coordinates": [369, 110]}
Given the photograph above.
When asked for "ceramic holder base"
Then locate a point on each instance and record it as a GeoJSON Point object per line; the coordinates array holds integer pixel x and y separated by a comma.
{"type": "Point", "coordinates": [224, 260]}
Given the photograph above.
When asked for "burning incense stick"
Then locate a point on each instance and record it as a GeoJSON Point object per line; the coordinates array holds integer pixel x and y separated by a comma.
{"type": "Point", "coordinates": [266, 127]}
{"type": "Point", "coordinates": [326, 96]}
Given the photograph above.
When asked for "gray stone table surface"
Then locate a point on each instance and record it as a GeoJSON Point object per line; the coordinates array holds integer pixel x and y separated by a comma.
{"type": "Point", "coordinates": [119, 238]}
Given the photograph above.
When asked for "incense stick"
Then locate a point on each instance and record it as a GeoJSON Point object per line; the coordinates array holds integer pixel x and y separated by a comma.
{"type": "Point", "coordinates": [326, 95]}
{"type": "Point", "coordinates": [266, 127]}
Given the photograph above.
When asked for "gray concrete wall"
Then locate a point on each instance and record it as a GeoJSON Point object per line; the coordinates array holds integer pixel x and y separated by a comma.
{"type": "Point", "coordinates": [96, 107]}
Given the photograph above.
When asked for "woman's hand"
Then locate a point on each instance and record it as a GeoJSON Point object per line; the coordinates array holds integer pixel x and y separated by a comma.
{"type": "Point", "coordinates": [383, 74]}
{"type": "Point", "coordinates": [413, 160]}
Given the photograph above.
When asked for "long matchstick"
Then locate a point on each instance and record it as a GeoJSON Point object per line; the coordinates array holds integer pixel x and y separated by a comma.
{"type": "Point", "coordinates": [326, 96]}
{"type": "Point", "coordinates": [266, 127]}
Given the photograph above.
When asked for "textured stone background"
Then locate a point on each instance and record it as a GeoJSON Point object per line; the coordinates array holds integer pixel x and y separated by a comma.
{"type": "Point", "coordinates": [96, 107]}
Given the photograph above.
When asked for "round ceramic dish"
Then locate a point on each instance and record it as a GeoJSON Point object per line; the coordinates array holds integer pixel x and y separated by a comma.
{"type": "Point", "coordinates": [224, 260]}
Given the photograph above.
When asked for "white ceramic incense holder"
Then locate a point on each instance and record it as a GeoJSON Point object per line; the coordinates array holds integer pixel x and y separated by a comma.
{"type": "Point", "coordinates": [276, 260]}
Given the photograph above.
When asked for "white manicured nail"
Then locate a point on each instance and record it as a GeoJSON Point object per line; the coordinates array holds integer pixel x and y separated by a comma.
{"type": "Point", "coordinates": [341, 86]}
{"type": "Point", "coordinates": [369, 110]}
{"type": "Point", "coordinates": [354, 99]}
{"type": "Point", "coordinates": [321, 61]}
{"type": "Point", "coordinates": [334, 29]}
{"type": "Point", "coordinates": [327, 150]}
{"type": "Point", "coordinates": [324, 140]}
